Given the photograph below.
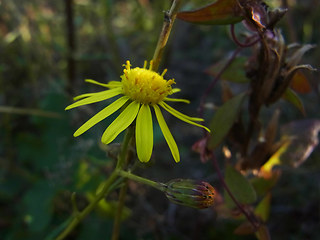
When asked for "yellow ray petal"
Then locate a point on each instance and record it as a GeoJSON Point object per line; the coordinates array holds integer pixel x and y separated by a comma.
{"type": "Point", "coordinates": [121, 122]}
{"type": "Point", "coordinates": [104, 113]}
{"type": "Point", "coordinates": [144, 133]}
{"type": "Point", "coordinates": [83, 96]}
{"type": "Point", "coordinates": [114, 84]}
{"type": "Point", "coordinates": [110, 84]}
{"type": "Point", "coordinates": [182, 116]}
{"type": "Point", "coordinates": [176, 100]}
{"type": "Point", "coordinates": [178, 114]}
{"type": "Point", "coordinates": [175, 90]}
{"type": "Point", "coordinates": [167, 134]}
{"type": "Point", "coordinates": [96, 97]}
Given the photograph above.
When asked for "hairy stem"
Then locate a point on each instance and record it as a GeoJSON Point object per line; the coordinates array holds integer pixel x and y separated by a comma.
{"type": "Point", "coordinates": [169, 19]}
{"type": "Point", "coordinates": [139, 179]}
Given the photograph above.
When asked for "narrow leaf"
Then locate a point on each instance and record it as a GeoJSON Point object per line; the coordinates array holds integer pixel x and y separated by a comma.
{"type": "Point", "coordinates": [224, 118]}
{"type": "Point", "coordinates": [294, 99]}
{"type": "Point", "coordinates": [265, 183]}
{"type": "Point", "coordinates": [263, 208]}
{"type": "Point", "coordinates": [240, 187]}
{"type": "Point", "coordinates": [263, 233]}
{"type": "Point", "coordinates": [219, 13]}
{"type": "Point", "coordinates": [300, 83]}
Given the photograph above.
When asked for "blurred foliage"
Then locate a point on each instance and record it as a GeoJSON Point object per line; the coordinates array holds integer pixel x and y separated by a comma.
{"type": "Point", "coordinates": [41, 164]}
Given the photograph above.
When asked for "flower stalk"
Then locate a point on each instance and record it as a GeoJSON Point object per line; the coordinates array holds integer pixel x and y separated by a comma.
{"type": "Point", "coordinates": [142, 180]}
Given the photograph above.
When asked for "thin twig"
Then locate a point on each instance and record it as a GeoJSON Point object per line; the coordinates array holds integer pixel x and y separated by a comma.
{"type": "Point", "coordinates": [214, 81]}
{"type": "Point", "coordinates": [71, 45]}
{"type": "Point", "coordinates": [250, 217]}
{"type": "Point", "coordinates": [246, 43]}
{"type": "Point", "coordinates": [29, 111]}
{"type": "Point", "coordinates": [117, 220]}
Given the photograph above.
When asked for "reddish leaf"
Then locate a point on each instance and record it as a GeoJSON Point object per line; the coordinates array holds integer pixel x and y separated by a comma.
{"type": "Point", "coordinates": [300, 83]}
{"type": "Point", "coordinates": [263, 233]}
{"type": "Point", "coordinates": [219, 13]}
{"type": "Point", "coordinates": [201, 147]}
{"type": "Point", "coordinates": [244, 228]}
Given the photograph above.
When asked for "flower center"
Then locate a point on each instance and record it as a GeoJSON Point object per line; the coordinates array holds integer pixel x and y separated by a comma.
{"type": "Point", "coordinates": [145, 85]}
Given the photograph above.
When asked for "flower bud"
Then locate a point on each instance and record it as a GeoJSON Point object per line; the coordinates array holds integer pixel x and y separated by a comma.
{"type": "Point", "coordinates": [191, 193]}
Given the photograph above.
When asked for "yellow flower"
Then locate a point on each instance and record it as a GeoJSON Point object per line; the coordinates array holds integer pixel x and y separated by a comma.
{"type": "Point", "coordinates": [140, 89]}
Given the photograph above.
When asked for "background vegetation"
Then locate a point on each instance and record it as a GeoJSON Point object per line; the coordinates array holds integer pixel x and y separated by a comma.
{"type": "Point", "coordinates": [43, 64]}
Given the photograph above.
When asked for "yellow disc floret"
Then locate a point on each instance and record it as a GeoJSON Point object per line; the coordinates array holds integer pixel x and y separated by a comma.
{"type": "Point", "coordinates": [144, 85]}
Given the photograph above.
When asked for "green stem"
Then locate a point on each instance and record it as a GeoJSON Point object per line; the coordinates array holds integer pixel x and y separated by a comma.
{"type": "Point", "coordinates": [124, 150]}
{"type": "Point", "coordinates": [123, 191]}
{"type": "Point", "coordinates": [165, 32]}
{"type": "Point", "coordinates": [117, 220]}
{"type": "Point", "coordinates": [146, 181]}
{"type": "Point", "coordinates": [78, 217]}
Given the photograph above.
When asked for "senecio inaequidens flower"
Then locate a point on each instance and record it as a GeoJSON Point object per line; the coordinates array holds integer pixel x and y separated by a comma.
{"type": "Point", "coordinates": [140, 89]}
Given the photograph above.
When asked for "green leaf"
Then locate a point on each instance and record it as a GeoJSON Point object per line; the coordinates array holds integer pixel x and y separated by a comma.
{"type": "Point", "coordinates": [235, 71]}
{"type": "Point", "coordinates": [263, 208]}
{"type": "Point", "coordinates": [293, 98]}
{"type": "Point", "coordinates": [219, 13]}
{"type": "Point", "coordinates": [223, 119]}
{"type": "Point", "coordinates": [109, 208]}
{"type": "Point", "coordinates": [56, 231]}
{"type": "Point", "coordinates": [240, 187]}
{"type": "Point", "coordinates": [263, 185]}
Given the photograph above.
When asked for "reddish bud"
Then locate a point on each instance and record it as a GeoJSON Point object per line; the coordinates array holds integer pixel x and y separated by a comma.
{"type": "Point", "coordinates": [191, 193]}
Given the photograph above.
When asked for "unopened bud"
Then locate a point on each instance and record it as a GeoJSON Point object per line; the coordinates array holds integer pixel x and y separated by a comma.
{"type": "Point", "coordinates": [191, 193]}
